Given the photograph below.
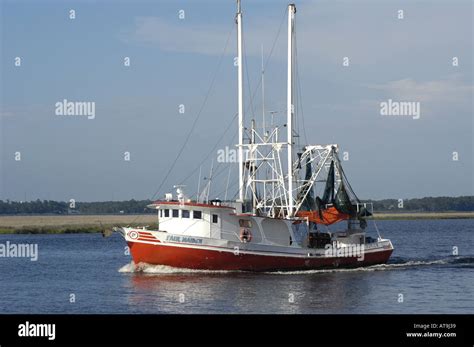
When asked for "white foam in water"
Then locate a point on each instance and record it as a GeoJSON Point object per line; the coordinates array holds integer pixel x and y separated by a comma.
{"type": "Point", "coordinates": [163, 269]}
{"type": "Point", "coordinates": [128, 267]}
{"type": "Point", "coordinates": [379, 267]}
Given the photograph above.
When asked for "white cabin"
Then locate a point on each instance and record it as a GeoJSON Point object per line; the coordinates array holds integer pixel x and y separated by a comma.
{"type": "Point", "coordinates": [218, 221]}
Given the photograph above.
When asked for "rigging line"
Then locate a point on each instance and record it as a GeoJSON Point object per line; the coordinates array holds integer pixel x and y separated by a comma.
{"type": "Point", "coordinates": [300, 96]}
{"type": "Point", "coordinates": [234, 183]}
{"type": "Point", "coordinates": [300, 99]}
{"type": "Point", "coordinates": [265, 66]}
{"type": "Point", "coordinates": [198, 115]}
{"type": "Point", "coordinates": [377, 229]}
{"type": "Point", "coordinates": [253, 95]}
{"type": "Point", "coordinates": [219, 172]}
{"type": "Point", "coordinates": [208, 93]}
{"type": "Point", "coordinates": [214, 176]}
{"type": "Point", "coordinates": [212, 150]}
{"type": "Point", "coordinates": [257, 88]}
{"type": "Point", "coordinates": [239, 187]}
{"type": "Point", "coordinates": [205, 100]}
{"type": "Point", "coordinates": [211, 178]}
{"type": "Point", "coordinates": [252, 110]}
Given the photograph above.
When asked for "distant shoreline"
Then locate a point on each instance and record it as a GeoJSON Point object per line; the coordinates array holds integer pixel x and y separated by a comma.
{"type": "Point", "coordinates": [69, 224]}
{"type": "Point", "coordinates": [423, 215]}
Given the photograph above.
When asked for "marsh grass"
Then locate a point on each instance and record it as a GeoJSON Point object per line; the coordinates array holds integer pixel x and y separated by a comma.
{"type": "Point", "coordinates": [41, 224]}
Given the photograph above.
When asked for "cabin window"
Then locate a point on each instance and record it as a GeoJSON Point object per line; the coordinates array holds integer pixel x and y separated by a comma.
{"type": "Point", "coordinates": [167, 213]}
{"type": "Point", "coordinates": [185, 213]}
{"type": "Point", "coordinates": [175, 213]}
{"type": "Point", "coordinates": [215, 218]}
{"type": "Point", "coordinates": [159, 213]}
{"type": "Point", "coordinates": [197, 214]}
{"type": "Point", "coordinates": [245, 223]}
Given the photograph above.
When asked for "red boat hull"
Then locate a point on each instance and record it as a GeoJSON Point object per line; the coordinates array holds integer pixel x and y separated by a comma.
{"type": "Point", "coordinates": [205, 259]}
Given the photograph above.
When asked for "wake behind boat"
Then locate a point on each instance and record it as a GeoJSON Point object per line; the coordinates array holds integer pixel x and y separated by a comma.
{"type": "Point", "coordinates": [279, 222]}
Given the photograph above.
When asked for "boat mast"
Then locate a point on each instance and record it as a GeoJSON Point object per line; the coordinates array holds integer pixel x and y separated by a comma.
{"type": "Point", "coordinates": [263, 99]}
{"type": "Point", "coordinates": [238, 20]}
{"type": "Point", "coordinates": [290, 108]}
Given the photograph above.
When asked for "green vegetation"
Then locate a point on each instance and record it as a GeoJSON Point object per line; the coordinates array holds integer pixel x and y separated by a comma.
{"type": "Point", "coordinates": [423, 215]}
{"type": "Point", "coordinates": [62, 207]}
{"type": "Point", "coordinates": [52, 230]}
{"type": "Point", "coordinates": [438, 204]}
{"type": "Point", "coordinates": [430, 204]}
{"type": "Point", "coordinates": [70, 224]}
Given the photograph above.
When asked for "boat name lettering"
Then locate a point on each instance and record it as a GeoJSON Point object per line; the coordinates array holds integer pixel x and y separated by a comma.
{"type": "Point", "coordinates": [185, 239]}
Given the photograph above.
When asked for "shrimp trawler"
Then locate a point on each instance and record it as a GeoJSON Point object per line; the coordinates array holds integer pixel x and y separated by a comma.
{"type": "Point", "coordinates": [279, 221]}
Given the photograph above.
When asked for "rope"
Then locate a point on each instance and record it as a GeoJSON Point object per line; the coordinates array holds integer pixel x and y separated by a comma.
{"type": "Point", "coordinates": [202, 107]}
{"type": "Point", "coordinates": [211, 151]}
{"type": "Point", "coordinates": [299, 94]}
{"type": "Point", "coordinates": [188, 136]}
{"type": "Point", "coordinates": [252, 97]}
{"type": "Point", "coordinates": [376, 228]}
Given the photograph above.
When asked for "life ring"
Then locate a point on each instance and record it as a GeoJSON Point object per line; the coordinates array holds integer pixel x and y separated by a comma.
{"type": "Point", "coordinates": [245, 235]}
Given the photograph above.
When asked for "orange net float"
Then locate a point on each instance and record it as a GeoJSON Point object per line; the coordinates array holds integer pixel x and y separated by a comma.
{"type": "Point", "coordinates": [327, 217]}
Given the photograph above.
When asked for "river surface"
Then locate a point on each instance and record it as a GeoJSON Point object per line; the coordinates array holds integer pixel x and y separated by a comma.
{"type": "Point", "coordinates": [86, 273]}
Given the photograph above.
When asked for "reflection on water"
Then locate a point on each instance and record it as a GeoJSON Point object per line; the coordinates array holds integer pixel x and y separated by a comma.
{"type": "Point", "coordinates": [163, 289]}
{"type": "Point", "coordinates": [240, 292]}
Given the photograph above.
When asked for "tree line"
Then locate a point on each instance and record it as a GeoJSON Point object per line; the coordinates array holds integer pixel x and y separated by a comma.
{"type": "Point", "coordinates": [429, 204]}
{"type": "Point", "coordinates": [63, 207]}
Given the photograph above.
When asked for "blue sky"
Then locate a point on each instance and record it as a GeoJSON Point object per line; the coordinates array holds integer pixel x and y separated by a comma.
{"type": "Point", "coordinates": [173, 62]}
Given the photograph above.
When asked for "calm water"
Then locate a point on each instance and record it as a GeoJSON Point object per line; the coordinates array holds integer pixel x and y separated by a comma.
{"type": "Point", "coordinates": [99, 274]}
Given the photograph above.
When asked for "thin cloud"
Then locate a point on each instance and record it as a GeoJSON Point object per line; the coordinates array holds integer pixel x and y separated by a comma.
{"type": "Point", "coordinates": [177, 38]}
{"type": "Point", "coordinates": [207, 39]}
{"type": "Point", "coordinates": [324, 34]}
{"type": "Point", "coordinates": [451, 89]}
{"type": "Point", "coordinates": [6, 114]}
